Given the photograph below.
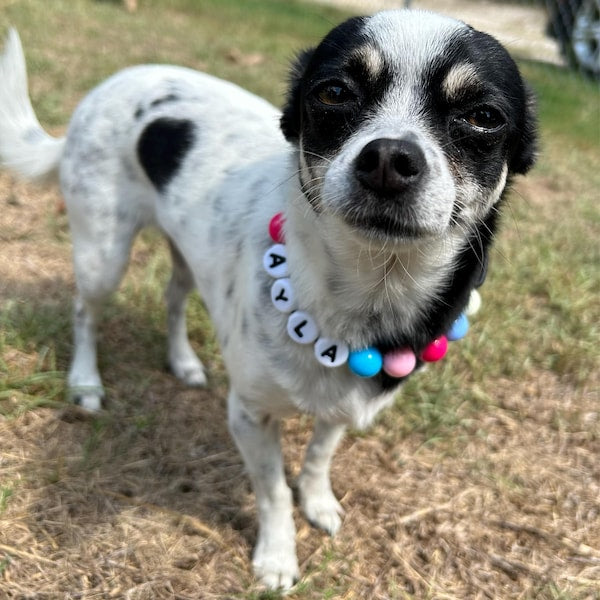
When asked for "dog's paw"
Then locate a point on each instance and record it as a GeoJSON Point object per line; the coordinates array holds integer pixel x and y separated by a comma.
{"type": "Point", "coordinates": [88, 397]}
{"type": "Point", "coordinates": [324, 513]}
{"type": "Point", "coordinates": [320, 506]}
{"type": "Point", "coordinates": [275, 568]}
{"type": "Point", "coordinates": [189, 370]}
{"type": "Point", "coordinates": [193, 377]}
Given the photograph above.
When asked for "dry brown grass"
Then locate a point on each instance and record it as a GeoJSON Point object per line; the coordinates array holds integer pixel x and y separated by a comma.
{"type": "Point", "coordinates": [150, 501]}
{"type": "Point", "coordinates": [163, 509]}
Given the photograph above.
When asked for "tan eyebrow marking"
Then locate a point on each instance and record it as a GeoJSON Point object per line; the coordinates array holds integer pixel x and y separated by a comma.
{"type": "Point", "coordinates": [371, 58]}
{"type": "Point", "coordinates": [460, 77]}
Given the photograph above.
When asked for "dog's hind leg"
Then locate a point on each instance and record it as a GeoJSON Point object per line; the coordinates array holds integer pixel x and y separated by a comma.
{"type": "Point", "coordinates": [274, 560]}
{"type": "Point", "coordinates": [316, 497]}
{"type": "Point", "coordinates": [183, 361]}
{"type": "Point", "coordinates": [100, 262]}
{"type": "Point", "coordinates": [85, 385]}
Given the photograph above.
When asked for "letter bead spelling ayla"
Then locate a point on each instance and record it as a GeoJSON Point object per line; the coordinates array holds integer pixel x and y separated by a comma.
{"type": "Point", "coordinates": [275, 261]}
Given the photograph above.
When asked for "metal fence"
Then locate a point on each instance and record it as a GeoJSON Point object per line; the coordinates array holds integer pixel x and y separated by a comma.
{"type": "Point", "coordinates": [575, 24]}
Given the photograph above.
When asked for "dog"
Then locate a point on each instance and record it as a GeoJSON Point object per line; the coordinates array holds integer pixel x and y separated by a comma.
{"type": "Point", "coordinates": [354, 223]}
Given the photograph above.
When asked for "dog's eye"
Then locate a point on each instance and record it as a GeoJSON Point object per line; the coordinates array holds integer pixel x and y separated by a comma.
{"type": "Point", "coordinates": [334, 94]}
{"type": "Point", "coordinates": [486, 118]}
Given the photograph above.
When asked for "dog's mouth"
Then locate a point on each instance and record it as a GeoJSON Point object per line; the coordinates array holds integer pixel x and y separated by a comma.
{"type": "Point", "coordinates": [401, 217]}
{"type": "Point", "coordinates": [385, 228]}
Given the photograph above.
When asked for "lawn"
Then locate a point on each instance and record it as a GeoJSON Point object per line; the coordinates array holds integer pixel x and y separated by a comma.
{"type": "Point", "coordinates": [483, 481]}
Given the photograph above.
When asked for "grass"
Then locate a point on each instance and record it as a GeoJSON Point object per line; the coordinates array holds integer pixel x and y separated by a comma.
{"type": "Point", "coordinates": [480, 482]}
{"type": "Point", "coordinates": [575, 120]}
{"type": "Point", "coordinates": [5, 494]}
{"type": "Point", "coordinates": [217, 34]}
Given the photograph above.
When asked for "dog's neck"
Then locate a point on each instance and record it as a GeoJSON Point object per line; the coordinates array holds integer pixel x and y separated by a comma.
{"type": "Point", "coordinates": [359, 290]}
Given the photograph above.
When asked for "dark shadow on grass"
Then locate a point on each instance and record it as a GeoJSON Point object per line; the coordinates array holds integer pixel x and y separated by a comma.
{"type": "Point", "coordinates": [160, 451]}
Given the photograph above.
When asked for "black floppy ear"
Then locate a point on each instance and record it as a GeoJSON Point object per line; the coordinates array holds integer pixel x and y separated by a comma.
{"type": "Point", "coordinates": [526, 149]}
{"type": "Point", "coordinates": [292, 117]}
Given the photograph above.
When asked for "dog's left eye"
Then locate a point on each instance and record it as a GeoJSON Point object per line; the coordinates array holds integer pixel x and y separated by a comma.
{"type": "Point", "coordinates": [485, 118]}
{"type": "Point", "coordinates": [334, 94]}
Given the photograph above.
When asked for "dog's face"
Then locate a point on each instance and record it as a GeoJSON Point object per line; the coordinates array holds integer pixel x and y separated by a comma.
{"type": "Point", "coordinates": [408, 125]}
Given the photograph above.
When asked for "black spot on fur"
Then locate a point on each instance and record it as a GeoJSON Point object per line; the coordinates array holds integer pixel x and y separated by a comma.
{"type": "Point", "coordinates": [218, 207]}
{"type": "Point", "coordinates": [165, 100]}
{"type": "Point", "coordinates": [238, 249]}
{"type": "Point", "coordinates": [162, 148]}
{"type": "Point", "coordinates": [230, 290]}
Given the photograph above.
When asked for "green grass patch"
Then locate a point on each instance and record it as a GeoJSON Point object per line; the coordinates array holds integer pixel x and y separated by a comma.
{"type": "Point", "coordinates": [5, 494]}
{"type": "Point", "coordinates": [4, 564]}
{"type": "Point", "coordinates": [569, 104]}
{"type": "Point", "coordinates": [30, 375]}
{"type": "Point", "coordinates": [18, 395]}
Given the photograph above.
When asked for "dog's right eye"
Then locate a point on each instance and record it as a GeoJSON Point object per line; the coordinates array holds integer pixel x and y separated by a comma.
{"type": "Point", "coordinates": [334, 94]}
{"type": "Point", "coordinates": [485, 118]}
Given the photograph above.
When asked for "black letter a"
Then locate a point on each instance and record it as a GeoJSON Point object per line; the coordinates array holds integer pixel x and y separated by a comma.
{"type": "Point", "coordinates": [277, 260]}
{"type": "Point", "coordinates": [331, 352]}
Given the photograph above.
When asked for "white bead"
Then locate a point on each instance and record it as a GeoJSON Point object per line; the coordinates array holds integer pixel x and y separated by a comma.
{"type": "Point", "coordinates": [474, 303]}
{"type": "Point", "coordinates": [301, 327]}
{"type": "Point", "coordinates": [331, 353]}
{"type": "Point", "coordinates": [282, 295]}
{"type": "Point", "coordinates": [275, 261]}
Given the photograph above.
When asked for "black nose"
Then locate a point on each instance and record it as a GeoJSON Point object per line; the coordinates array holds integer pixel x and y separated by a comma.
{"type": "Point", "coordinates": [389, 166]}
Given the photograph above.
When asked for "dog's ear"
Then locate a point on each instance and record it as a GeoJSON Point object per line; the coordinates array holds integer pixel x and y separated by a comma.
{"type": "Point", "coordinates": [292, 117]}
{"type": "Point", "coordinates": [525, 152]}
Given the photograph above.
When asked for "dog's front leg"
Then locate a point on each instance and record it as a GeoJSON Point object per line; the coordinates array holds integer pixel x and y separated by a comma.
{"type": "Point", "coordinates": [316, 496]}
{"type": "Point", "coordinates": [274, 561]}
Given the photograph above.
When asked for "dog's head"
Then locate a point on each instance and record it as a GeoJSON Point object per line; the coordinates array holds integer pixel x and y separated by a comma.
{"type": "Point", "coordinates": [408, 125]}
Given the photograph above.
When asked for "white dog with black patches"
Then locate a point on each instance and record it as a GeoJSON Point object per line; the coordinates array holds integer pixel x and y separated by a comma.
{"type": "Point", "coordinates": [385, 171]}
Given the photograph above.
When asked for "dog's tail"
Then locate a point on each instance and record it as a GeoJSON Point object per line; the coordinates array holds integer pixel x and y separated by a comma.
{"type": "Point", "coordinates": [25, 147]}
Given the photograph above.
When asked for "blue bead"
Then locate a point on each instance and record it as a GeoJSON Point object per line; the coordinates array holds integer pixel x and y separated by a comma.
{"type": "Point", "coordinates": [365, 363]}
{"type": "Point", "coordinates": [459, 328]}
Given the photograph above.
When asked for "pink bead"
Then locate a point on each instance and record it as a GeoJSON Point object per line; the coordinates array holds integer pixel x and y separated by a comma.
{"type": "Point", "coordinates": [436, 350]}
{"type": "Point", "coordinates": [399, 363]}
{"type": "Point", "coordinates": [276, 228]}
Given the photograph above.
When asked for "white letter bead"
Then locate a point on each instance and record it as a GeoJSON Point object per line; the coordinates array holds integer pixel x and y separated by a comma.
{"type": "Point", "coordinates": [282, 295]}
{"type": "Point", "coordinates": [275, 261]}
{"type": "Point", "coordinates": [331, 353]}
{"type": "Point", "coordinates": [301, 327]}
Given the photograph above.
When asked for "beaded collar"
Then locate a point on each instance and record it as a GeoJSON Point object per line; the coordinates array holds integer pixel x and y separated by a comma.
{"type": "Point", "coordinates": [364, 362]}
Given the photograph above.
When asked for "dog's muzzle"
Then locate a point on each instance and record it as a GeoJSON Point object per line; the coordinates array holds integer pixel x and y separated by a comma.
{"type": "Point", "coordinates": [391, 189]}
